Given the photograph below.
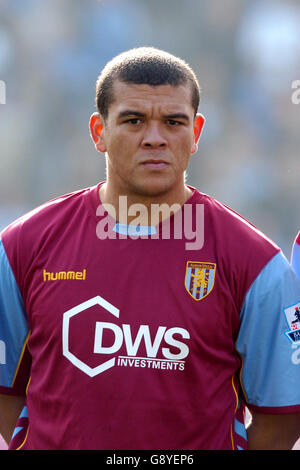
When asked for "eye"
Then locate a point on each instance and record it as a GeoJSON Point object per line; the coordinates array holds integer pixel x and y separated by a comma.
{"type": "Point", "coordinates": [173, 123]}
{"type": "Point", "coordinates": [134, 121]}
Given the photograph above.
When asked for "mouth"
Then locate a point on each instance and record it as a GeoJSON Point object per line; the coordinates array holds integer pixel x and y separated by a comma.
{"type": "Point", "coordinates": [155, 164]}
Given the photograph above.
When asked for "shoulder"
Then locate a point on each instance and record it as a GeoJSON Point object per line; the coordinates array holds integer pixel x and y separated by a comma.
{"type": "Point", "coordinates": [43, 217]}
{"type": "Point", "coordinates": [232, 229]}
{"type": "Point", "coordinates": [41, 227]}
{"type": "Point", "coordinates": [241, 251]}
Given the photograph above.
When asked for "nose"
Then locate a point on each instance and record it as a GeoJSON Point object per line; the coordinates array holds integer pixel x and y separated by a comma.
{"type": "Point", "coordinates": [153, 137]}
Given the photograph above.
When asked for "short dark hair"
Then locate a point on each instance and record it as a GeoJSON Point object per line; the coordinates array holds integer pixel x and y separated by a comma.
{"type": "Point", "coordinates": [144, 65]}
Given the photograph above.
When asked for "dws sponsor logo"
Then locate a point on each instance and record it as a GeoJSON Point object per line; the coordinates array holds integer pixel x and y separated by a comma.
{"type": "Point", "coordinates": [122, 336]}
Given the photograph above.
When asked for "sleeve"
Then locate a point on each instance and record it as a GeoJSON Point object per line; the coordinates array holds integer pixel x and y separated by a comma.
{"type": "Point", "coordinates": [269, 340]}
{"type": "Point", "coordinates": [14, 332]}
{"type": "Point", "coordinates": [296, 255]}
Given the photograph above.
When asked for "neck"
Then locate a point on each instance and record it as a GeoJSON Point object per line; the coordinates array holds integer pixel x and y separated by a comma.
{"type": "Point", "coordinates": [139, 209]}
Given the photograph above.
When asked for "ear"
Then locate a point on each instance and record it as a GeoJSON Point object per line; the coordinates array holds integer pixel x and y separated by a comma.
{"type": "Point", "coordinates": [198, 127]}
{"type": "Point", "coordinates": [96, 132]}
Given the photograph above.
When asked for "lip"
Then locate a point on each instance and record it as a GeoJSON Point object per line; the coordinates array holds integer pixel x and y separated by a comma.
{"type": "Point", "coordinates": [155, 164]}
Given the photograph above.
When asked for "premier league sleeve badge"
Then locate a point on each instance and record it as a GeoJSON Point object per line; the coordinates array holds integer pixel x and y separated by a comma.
{"type": "Point", "coordinates": [292, 315]}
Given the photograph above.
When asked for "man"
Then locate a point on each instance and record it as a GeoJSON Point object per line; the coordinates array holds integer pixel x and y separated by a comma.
{"type": "Point", "coordinates": [125, 326]}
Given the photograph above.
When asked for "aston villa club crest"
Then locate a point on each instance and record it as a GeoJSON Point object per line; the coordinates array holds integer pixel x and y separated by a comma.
{"type": "Point", "coordinates": [293, 319]}
{"type": "Point", "coordinates": [199, 279]}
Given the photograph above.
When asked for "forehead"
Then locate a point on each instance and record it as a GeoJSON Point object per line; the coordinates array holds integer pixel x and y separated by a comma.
{"type": "Point", "coordinates": [143, 96]}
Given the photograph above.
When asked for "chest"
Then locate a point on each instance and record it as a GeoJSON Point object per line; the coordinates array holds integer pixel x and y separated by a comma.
{"type": "Point", "coordinates": [136, 299]}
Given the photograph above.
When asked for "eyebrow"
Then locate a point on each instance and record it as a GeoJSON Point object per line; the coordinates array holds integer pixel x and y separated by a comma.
{"type": "Point", "coordinates": [178, 116]}
{"type": "Point", "coordinates": [132, 112]}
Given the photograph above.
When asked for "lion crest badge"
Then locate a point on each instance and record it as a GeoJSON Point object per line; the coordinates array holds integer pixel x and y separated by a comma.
{"type": "Point", "coordinates": [199, 279]}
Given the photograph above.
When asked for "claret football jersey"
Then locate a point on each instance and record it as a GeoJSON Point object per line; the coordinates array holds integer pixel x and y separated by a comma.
{"type": "Point", "coordinates": [132, 337]}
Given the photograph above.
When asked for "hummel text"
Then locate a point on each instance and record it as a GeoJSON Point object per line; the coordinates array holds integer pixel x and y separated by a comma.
{"type": "Point", "coordinates": [64, 275]}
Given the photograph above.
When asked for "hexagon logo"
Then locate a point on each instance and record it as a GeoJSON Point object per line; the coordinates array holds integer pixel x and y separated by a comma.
{"type": "Point", "coordinates": [91, 371]}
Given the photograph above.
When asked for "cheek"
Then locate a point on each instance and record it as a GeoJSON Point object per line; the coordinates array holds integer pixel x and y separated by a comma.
{"type": "Point", "coordinates": [119, 155]}
{"type": "Point", "coordinates": [182, 150]}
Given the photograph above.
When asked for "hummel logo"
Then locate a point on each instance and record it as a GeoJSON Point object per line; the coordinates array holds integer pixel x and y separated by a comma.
{"type": "Point", "coordinates": [64, 275]}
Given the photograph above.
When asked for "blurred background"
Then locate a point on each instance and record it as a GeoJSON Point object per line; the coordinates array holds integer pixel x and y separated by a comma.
{"type": "Point", "coordinates": [246, 54]}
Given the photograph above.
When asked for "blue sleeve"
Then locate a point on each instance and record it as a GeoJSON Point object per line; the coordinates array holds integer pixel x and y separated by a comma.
{"type": "Point", "coordinates": [269, 339]}
{"type": "Point", "coordinates": [13, 323]}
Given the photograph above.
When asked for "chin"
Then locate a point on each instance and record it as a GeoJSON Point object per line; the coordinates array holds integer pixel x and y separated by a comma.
{"type": "Point", "coordinates": [153, 189]}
